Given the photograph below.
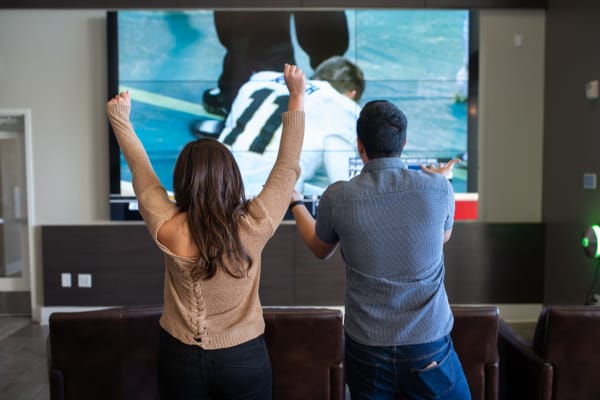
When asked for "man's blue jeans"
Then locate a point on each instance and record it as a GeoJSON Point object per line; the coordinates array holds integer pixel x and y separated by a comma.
{"type": "Point", "coordinates": [377, 373]}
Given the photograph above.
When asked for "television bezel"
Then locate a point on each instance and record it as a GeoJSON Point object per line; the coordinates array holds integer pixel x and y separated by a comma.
{"type": "Point", "coordinates": [124, 207]}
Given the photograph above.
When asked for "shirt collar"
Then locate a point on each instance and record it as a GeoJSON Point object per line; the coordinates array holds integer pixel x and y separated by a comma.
{"type": "Point", "coordinates": [383, 163]}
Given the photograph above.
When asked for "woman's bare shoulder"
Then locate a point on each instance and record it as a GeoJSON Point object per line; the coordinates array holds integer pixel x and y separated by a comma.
{"type": "Point", "coordinates": [174, 234]}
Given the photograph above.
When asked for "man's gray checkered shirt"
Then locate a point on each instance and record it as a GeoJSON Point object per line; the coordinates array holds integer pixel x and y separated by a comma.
{"type": "Point", "coordinates": [390, 222]}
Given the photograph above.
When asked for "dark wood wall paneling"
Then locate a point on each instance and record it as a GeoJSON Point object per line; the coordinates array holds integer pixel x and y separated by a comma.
{"type": "Point", "coordinates": [495, 263]}
{"type": "Point", "coordinates": [485, 263]}
{"type": "Point", "coordinates": [277, 276]}
{"type": "Point", "coordinates": [274, 4]}
{"type": "Point", "coordinates": [126, 267]}
{"type": "Point", "coordinates": [571, 126]}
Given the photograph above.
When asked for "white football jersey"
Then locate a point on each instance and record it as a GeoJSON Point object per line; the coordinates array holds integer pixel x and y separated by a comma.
{"type": "Point", "coordinates": [253, 130]}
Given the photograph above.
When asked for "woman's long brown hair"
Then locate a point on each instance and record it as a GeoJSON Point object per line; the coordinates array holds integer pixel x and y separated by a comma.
{"type": "Point", "coordinates": [208, 187]}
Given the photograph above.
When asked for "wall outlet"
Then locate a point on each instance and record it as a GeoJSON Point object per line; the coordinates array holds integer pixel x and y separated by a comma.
{"type": "Point", "coordinates": [65, 279]}
{"type": "Point", "coordinates": [84, 280]}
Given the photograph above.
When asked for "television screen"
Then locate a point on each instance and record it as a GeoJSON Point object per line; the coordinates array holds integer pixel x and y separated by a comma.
{"type": "Point", "coordinates": [217, 74]}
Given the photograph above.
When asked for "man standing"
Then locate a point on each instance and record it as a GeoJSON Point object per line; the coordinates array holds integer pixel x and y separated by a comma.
{"type": "Point", "coordinates": [391, 224]}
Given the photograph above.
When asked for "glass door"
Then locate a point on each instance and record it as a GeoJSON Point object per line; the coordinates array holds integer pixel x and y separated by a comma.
{"type": "Point", "coordinates": [15, 232]}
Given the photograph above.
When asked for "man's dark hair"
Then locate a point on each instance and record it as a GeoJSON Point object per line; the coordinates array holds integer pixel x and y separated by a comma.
{"type": "Point", "coordinates": [381, 127]}
{"type": "Point", "coordinates": [342, 74]}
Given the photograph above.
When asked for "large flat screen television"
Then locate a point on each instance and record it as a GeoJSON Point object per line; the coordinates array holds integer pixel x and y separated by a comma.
{"type": "Point", "coordinates": [186, 72]}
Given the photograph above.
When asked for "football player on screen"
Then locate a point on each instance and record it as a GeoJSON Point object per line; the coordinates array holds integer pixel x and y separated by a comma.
{"type": "Point", "coordinates": [253, 127]}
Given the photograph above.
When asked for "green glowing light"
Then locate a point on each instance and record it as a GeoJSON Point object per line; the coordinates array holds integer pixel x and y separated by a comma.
{"type": "Point", "coordinates": [596, 230]}
{"type": "Point", "coordinates": [585, 242]}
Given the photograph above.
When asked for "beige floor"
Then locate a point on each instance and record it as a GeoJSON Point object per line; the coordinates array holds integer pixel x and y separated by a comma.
{"type": "Point", "coordinates": [23, 372]}
{"type": "Point", "coordinates": [10, 325]}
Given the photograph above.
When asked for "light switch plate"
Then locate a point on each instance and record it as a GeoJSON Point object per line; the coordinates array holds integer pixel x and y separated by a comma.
{"type": "Point", "coordinates": [589, 180]}
{"type": "Point", "coordinates": [65, 279]}
{"type": "Point", "coordinates": [591, 90]}
{"type": "Point", "coordinates": [84, 280]}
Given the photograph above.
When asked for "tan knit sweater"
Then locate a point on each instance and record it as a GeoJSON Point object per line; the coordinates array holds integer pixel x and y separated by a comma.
{"type": "Point", "coordinates": [223, 311]}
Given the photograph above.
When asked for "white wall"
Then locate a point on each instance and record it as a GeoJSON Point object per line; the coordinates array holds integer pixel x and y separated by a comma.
{"type": "Point", "coordinates": [54, 63]}
{"type": "Point", "coordinates": [511, 114]}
